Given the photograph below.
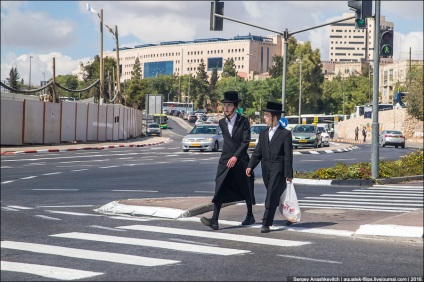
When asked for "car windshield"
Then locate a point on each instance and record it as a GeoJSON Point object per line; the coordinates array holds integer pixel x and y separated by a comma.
{"type": "Point", "coordinates": [321, 129]}
{"type": "Point", "coordinates": [153, 125]}
{"type": "Point", "coordinates": [204, 130]}
{"type": "Point", "coordinates": [304, 129]}
{"type": "Point", "coordinates": [257, 129]}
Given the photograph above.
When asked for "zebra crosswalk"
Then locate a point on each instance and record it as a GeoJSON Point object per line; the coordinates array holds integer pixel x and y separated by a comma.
{"type": "Point", "coordinates": [377, 198]}
{"type": "Point", "coordinates": [59, 245]}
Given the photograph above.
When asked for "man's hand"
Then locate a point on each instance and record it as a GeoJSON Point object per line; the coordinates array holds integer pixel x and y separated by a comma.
{"type": "Point", "coordinates": [248, 171]}
{"type": "Point", "coordinates": [289, 179]}
{"type": "Point", "coordinates": [231, 162]}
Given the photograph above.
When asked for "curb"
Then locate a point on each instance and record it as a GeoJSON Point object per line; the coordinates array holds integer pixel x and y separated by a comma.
{"type": "Point", "coordinates": [349, 141]}
{"type": "Point", "coordinates": [335, 182]}
{"type": "Point", "coordinates": [82, 148]}
{"type": "Point", "coordinates": [395, 180]}
{"type": "Point", "coordinates": [387, 230]}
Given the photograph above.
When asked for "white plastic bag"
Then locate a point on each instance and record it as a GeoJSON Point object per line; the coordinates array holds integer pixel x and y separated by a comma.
{"type": "Point", "coordinates": [289, 207]}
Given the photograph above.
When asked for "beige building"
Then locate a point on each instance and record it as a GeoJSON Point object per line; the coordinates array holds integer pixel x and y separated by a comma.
{"type": "Point", "coordinates": [252, 56]}
{"type": "Point", "coordinates": [391, 74]}
{"type": "Point", "coordinates": [348, 44]}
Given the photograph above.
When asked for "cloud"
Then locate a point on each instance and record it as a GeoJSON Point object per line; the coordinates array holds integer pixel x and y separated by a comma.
{"type": "Point", "coordinates": [402, 43]}
{"type": "Point", "coordinates": [40, 63]}
{"type": "Point", "coordinates": [36, 30]}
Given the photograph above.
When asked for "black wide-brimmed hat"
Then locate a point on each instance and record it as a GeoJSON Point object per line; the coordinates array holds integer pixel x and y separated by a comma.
{"type": "Point", "coordinates": [231, 97]}
{"type": "Point", "coordinates": [274, 107]}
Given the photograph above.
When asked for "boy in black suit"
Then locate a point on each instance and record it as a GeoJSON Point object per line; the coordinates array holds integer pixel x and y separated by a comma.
{"type": "Point", "coordinates": [232, 184]}
{"type": "Point", "coordinates": [275, 151]}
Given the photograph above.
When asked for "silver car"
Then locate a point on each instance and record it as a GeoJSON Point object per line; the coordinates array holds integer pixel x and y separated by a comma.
{"type": "Point", "coordinates": [203, 137]}
{"type": "Point", "coordinates": [306, 135]}
{"type": "Point", "coordinates": [153, 129]}
{"type": "Point", "coordinates": [392, 137]}
{"type": "Point", "coordinates": [325, 137]}
{"type": "Point", "coordinates": [255, 130]}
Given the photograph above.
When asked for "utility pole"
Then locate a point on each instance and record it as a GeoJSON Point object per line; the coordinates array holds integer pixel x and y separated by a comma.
{"type": "Point", "coordinates": [29, 84]}
{"type": "Point", "coordinates": [118, 73]}
{"type": "Point", "coordinates": [101, 60]}
{"type": "Point", "coordinates": [375, 126]}
{"type": "Point", "coordinates": [54, 80]}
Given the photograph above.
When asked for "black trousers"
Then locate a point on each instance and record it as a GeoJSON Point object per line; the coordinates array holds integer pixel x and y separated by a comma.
{"type": "Point", "coordinates": [268, 218]}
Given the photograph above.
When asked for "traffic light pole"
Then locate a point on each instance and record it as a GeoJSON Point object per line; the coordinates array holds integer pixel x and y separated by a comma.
{"type": "Point", "coordinates": [286, 35]}
{"type": "Point", "coordinates": [375, 125]}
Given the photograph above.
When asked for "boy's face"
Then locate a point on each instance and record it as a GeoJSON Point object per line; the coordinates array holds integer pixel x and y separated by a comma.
{"type": "Point", "coordinates": [268, 118]}
{"type": "Point", "coordinates": [229, 109]}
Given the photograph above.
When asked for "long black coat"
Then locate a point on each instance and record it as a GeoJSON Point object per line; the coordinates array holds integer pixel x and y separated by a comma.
{"type": "Point", "coordinates": [277, 163]}
{"type": "Point", "coordinates": [232, 184]}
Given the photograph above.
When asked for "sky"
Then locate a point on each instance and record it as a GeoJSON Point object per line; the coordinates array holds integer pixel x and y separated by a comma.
{"type": "Point", "coordinates": [70, 33]}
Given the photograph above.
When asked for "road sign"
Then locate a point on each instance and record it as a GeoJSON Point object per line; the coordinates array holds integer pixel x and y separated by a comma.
{"type": "Point", "coordinates": [284, 122]}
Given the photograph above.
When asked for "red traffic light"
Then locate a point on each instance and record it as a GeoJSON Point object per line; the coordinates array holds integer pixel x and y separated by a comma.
{"type": "Point", "coordinates": [387, 36]}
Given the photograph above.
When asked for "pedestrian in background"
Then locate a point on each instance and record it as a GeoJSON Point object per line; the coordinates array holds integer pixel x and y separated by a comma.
{"type": "Point", "coordinates": [232, 184]}
{"type": "Point", "coordinates": [364, 133]}
{"type": "Point", "coordinates": [356, 133]}
{"type": "Point", "coordinates": [275, 152]}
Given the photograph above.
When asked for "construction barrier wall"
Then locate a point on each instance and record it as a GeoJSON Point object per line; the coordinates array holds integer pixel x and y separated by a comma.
{"type": "Point", "coordinates": [35, 122]}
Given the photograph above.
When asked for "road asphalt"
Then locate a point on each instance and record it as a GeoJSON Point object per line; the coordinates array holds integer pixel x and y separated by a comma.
{"type": "Point", "coordinates": [406, 226]}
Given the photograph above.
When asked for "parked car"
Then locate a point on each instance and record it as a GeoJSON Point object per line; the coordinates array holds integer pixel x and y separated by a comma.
{"type": "Point", "coordinates": [199, 121]}
{"type": "Point", "coordinates": [393, 138]}
{"type": "Point", "coordinates": [306, 135]}
{"type": "Point", "coordinates": [325, 136]}
{"type": "Point", "coordinates": [192, 118]}
{"type": "Point", "coordinates": [153, 129]}
{"type": "Point", "coordinates": [212, 120]}
{"type": "Point", "coordinates": [166, 112]}
{"type": "Point", "coordinates": [255, 130]}
{"type": "Point", "coordinates": [203, 137]}
{"type": "Point", "coordinates": [171, 112]}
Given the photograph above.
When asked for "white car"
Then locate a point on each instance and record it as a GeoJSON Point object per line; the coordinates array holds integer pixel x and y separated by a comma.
{"type": "Point", "coordinates": [203, 137]}
{"type": "Point", "coordinates": [325, 136]}
{"type": "Point", "coordinates": [255, 130]}
{"type": "Point", "coordinates": [393, 138]}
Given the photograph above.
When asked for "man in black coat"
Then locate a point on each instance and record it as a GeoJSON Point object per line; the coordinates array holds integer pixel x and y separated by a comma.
{"type": "Point", "coordinates": [275, 150]}
{"type": "Point", "coordinates": [232, 184]}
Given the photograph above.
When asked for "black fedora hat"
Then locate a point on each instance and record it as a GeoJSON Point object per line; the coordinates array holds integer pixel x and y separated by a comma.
{"type": "Point", "coordinates": [274, 107]}
{"type": "Point", "coordinates": [231, 97]}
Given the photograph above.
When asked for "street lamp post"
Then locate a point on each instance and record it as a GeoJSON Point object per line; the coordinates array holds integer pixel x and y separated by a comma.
{"type": "Point", "coordinates": [300, 89]}
{"type": "Point", "coordinates": [189, 76]}
{"type": "Point", "coordinates": [44, 82]}
{"type": "Point", "coordinates": [29, 84]}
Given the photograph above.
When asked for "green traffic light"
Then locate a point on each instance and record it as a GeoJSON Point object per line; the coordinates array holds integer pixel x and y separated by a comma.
{"type": "Point", "coordinates": [360, 23]}
{"type": "Point", "coordinates": [386, 49]}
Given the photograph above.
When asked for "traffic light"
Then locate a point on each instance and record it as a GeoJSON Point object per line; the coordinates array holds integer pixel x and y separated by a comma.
{"type": "Point", "coordinates": [363, 10]}
{"type": "Point", "coordinates": [386, 43]}
{"type": "Point", "coordinates": [217, 23]}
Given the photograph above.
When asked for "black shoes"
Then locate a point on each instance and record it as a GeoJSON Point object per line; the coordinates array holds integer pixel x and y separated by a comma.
{"type": "Point", "coordinates": [249, 220]}
{"type": "Point", "coordinates": [265, 229]}
{"type": "Point", "coordinates": [210, 223]}
{"type": "Point", "coordinates": [288, 223]}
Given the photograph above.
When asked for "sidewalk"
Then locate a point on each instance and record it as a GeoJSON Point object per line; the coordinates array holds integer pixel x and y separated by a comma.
{"type": "Point", "coordinates": [63, 147]}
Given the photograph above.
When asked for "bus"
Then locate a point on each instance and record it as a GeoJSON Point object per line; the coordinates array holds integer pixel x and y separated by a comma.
{"type": "Point", "coordinates": [360, 110]}
{"type": "Point", "coordinates": [315, 119]}
{"type": "Point", "coordinates": [178, 106]}
{"type": "Point", "coordinates": [398, 99]}
{"type": "Point", "coordinates": [161, 119]}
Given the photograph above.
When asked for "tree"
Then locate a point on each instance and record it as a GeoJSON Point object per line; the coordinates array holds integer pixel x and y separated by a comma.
{"type": "Point", "coordinates": [276, 70]}
{"type": "Point", "coordinates": [414, 98]}
{"type": "Point", "coordinates": [136, 72]}
{"type": "Point", "coordinates": [202, 87]}
{"type": "Point", "coordinates": [13, 78]}
{"type": "Point", "coordinates": [229, 69]}
{"type": "Point", "coordinates": [213, 94]}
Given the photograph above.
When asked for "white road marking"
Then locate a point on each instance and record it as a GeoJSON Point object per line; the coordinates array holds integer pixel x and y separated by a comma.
{"type": "Point", "coordinates": [400, 186]}
{"type": "Point", "coordinates": [362, 200]}
{"type": "Point", "coordinates": [367, 193]}
{"type": "Point", "coordinates": [20, 207]}
{"type": "Point", "coordinates": [54, 189]}
{"type": "Point", "coordinates": [8, 181]}
{"type": "Point", "coordinates": [47, 217]}
{"type": "Point", "coordinates": [6, 167]}
{"type": "Point", "coordinates": [218, 235]}
{"type": "Point", "coordinates": [28, 177]}
{"type": "Point", "coordinates": [70, 157]}
{"type": "Point", "coordinates": [146, 191]}
{"type": "Point", "coordinates": [73, 213]}
{"type": "Point", "coordinates": [87, 161]}
{"type": "Point", "coordinates": [68, 206]}
{"type": "Point", "coordinates": [52, 173]}
{"type": "Point", "coordinates": [76, 170]}
{"type": "Point", "coordinates": [152, 243]}
{"type": "Point", "coordinates": [52, 272]}
{"type": "Point", "coordinates": [347, 207]}
{"type": "Point", "coordinates": [311, 259]}
{"type": "Point", "coordinates": [402, 191]}
{"type": "Point", "coordinates": [112, 166]}
{"type": "Point", "coordinates": [209, 192]}
{"type": "Point", "coordinates": [370, 196]}
{"type": "Point", "coordinates": [125, 158]}
{"type": "Point", "coordinates": [106, 228]}
{"type": "Point", "coordinates": [361, 203]}
{"type": "Point", "coordinates": [8, 209]}
{"type": "Point", "coordinates": [85, 254]}
{"type": "Point", "coordinates": [131, 218]}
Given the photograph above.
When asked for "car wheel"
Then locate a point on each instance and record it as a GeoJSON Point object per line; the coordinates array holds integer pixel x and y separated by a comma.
{"type": "Point", "coordinates": [295, 147]}
{"type": "Point", "coordinates": [184, 150]}
{"type": "Point", "coordinates": [202, 150]}
{"type": "Point", "coordinates": [403, 146]}
{"type": "Point", "coordinates": [383, 145]}
{"type": "Point", "coordinates": [215, 147]}
{"type": "Point", "coordinates": [396, 146]}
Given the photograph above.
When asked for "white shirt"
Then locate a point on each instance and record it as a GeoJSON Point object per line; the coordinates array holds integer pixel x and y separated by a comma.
{"type": "Point", "coordinates": [272, 131]}
{"type": "Point", "coordinates": [231, 123]}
